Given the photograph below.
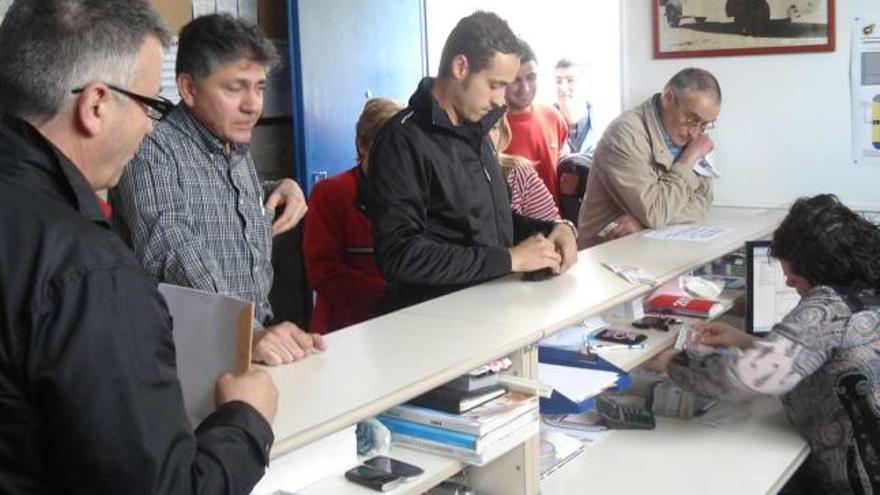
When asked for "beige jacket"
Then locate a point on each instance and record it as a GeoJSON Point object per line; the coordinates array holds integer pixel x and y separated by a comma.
{"type": "Point", "coordinates": [633, 172]}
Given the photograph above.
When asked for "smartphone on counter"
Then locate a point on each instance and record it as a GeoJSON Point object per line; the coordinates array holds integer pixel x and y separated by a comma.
{"type": "Point", "coordinates": [620, 337]}
{"type": "Point", "coordinates": [398, 468]}
{"type": "Point", "coordinates": [374, 478]}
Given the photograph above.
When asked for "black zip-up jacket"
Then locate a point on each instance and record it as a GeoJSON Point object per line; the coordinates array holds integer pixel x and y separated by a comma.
{"type": "Point", "coordinates": [89, 396]}
{"type": "Point", "coordinates": [440, 206]}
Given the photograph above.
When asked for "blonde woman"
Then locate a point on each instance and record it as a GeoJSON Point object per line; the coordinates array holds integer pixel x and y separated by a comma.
{"type": "Point", "coordinates": [338, 240]}
{"type": "Point", "coordinates": [528, 193]}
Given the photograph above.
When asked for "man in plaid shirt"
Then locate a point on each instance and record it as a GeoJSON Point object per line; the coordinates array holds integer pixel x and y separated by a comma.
{"type": "Point", "coordinates": [197, 213]}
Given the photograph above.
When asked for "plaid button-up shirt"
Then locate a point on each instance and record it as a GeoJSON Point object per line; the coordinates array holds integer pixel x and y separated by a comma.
{"type": "Point", "coordinates": [194, 208]}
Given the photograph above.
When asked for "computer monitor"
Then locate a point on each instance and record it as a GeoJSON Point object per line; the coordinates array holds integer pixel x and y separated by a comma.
{"type": "Point", "coordinates": [768, 299]}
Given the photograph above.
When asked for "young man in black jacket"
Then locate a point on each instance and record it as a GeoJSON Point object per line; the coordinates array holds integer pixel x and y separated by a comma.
{"type": "Point", "coordinates": [440, 207]}
{"type": "Point", "coordinates": [89, 396]}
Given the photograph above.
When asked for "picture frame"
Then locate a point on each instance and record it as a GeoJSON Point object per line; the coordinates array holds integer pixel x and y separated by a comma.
{"type": "Point", "coordinates": [712, 28]}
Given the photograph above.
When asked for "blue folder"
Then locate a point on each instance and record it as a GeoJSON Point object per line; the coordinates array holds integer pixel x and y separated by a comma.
{"type": "Point", "coordinates": [560, 404]}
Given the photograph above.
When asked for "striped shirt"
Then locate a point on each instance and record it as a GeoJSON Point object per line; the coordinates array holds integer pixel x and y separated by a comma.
{"type": "Point", "coordinates": [195, 212]}
{"type": "Point", "coordinates": [529, 196]}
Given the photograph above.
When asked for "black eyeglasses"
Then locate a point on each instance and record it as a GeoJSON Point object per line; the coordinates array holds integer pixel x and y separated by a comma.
{"type": "Point", "coordinates": [156, 108]}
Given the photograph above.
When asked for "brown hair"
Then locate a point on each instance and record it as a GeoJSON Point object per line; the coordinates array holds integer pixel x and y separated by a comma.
{"type": "Point", "coordinates": [505, 135]}
{"type": "Point", "coordinates": [376, 112]}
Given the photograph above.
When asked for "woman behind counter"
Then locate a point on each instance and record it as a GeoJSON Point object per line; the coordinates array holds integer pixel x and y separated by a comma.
{"type": "Point", "coordinates": [822, 359]}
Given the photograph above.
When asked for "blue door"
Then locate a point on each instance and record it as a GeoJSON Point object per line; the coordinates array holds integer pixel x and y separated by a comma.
{"type": "Point", "coordinates": [344, 52]}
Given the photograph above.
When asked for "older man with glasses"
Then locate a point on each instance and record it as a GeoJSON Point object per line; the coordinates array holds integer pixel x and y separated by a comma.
{"type": "Point", "coordinates": [197, 213]}
{"type": "Point", "coordinates": [650, 167]}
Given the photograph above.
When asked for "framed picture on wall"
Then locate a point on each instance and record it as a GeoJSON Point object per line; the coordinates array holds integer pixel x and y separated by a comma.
{"type": "Point", "coordinates": [709, 28]}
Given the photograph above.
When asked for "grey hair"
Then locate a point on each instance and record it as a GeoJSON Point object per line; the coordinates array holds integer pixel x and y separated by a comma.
{"type": "Point", "coordinates": [209, 42]}
{"type": "Point", "coordinates": [695, 80]}
{"type": "Point", "coordinates": [51, 47]}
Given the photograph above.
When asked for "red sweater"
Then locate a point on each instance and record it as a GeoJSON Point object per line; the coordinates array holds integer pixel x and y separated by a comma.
{"type": "Point", "coordinates": [338, 247]}
{"type": "Point", "coordinates": [539, 135]}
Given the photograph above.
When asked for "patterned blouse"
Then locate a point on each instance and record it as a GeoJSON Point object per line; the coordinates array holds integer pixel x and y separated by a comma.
{"type": "Point", "coordinates": [823, 360]}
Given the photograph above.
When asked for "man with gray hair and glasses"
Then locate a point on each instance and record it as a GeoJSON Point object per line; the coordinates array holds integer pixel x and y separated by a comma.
{"type": "Point", "coordinates": [89, 396]}
{"type": "Point", "coordinates": [649, 169]}
{"type": "Point", "coordinates": [197, 213]}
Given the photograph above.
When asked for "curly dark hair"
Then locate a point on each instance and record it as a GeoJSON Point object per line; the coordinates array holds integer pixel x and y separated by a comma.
{"type": "Point", "coordinates": [828, 244]}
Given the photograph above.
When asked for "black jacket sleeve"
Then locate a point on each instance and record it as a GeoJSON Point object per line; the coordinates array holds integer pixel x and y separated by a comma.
{"type": "Point", "coordinates": [400, 179]}
{"type": "Point", "coordinates": [102, 370]}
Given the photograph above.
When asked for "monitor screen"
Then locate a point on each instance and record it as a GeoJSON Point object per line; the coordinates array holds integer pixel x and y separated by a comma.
{"type": "Point", "coordinates": [768, 299]}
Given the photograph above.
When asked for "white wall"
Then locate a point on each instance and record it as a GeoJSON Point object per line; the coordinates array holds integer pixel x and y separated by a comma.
{"type": "Point", "coordinates": [784, 128]}
{"type": "Point", "coordinates": [585, 30]}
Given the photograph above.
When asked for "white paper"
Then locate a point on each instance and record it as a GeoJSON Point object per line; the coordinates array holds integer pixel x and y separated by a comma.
{"type": "Point", "coordinates": [206, 342]}
{"type": "Point", "coordinates": [4, 6]}
{"type": "Point", "coordinates": [865, 91]}
{"type": "Point", "coordinates": [594, 323]}
{"type": "Point", "coordinates": [563, 447]}
{"type": "Point", "coordinates": [691, 232]}
{"type": "Point", "coordinates": [631, 274]}
{"type": "Point", "coordinates": [574, 338]}
{"type": "Point", "coordinates": [227, 7]}
{"type": "Point", "coordinates": [248, 11]}
{"type": "Point", "coordinates": [772, 298]}
{"type": "Point", "coordinates": [569, 338]}
{"type": "Point", "coordinates": [295, 470]}
{"type": "Point", "coordinates": [169, 80]}
{"type": "Point", "coordinates": [578, 384]}
{"type": "Point", "coordinates": [586, 437]}
{"type": "Point", "coordinates": [203, 7]}
{"type": "Point", "coordinates": [706, 168]}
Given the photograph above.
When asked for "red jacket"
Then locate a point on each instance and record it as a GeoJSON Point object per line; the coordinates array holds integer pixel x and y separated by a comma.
{"type": "Point", "coordinates": [539, 135]}
{"type": "Point", "coordinates": [338, 248]}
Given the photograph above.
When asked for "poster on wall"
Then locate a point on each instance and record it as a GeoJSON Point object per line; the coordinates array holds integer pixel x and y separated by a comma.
{"type": "Point", "coordinates": [711, 28]}
{"type": "Point", "coordinates": [865, 91]}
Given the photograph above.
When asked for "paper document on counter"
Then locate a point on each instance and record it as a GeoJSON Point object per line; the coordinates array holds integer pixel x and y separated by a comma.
{"type": "Point", "coordinates": [578, 384]}
{"type": "Point", "coordinates": [688, 232]}
{"type": "Point", "coordinates": [631, 274]}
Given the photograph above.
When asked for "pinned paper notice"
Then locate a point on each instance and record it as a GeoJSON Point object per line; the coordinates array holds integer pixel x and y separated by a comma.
{"type": "Point", "coordinates": [688, 232]}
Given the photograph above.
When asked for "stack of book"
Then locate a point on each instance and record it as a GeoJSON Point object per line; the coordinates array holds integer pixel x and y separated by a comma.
{"type": "Point", "coordinates": [476, 436]}
{"type": "Point", "coordinates": [684, 306]}
{"type": "Point", "coordinates": [467, 391]}
{"type": "Point", "coordinates": [671, 298]}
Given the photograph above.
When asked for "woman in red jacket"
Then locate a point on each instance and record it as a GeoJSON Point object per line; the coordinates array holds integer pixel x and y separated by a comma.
{"type": "Point", "coordinates": [338, 241]}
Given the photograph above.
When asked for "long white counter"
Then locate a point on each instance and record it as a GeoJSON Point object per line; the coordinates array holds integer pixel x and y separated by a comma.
{"type": "Point", "coordinates": [383, 362]}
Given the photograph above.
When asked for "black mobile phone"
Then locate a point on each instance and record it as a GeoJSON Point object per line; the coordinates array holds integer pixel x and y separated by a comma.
{"type": "Point", "coordinates": [377, 479]}
{"type": "Point", "coordinates": [620, 337]}
{"type": "Point", "coordinates": [662, 323]}
{"type": "Point", "coordinates": [538, 275]}
{"type": "Point", "coordinates": [395, 467]}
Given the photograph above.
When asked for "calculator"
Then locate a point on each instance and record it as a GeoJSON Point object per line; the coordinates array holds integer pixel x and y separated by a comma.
{"type": "Point", "coordinates": [618, 414]}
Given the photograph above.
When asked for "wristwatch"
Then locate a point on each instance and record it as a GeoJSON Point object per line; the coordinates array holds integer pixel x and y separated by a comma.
{"type": "Point", "coordinates": [570, 224]}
